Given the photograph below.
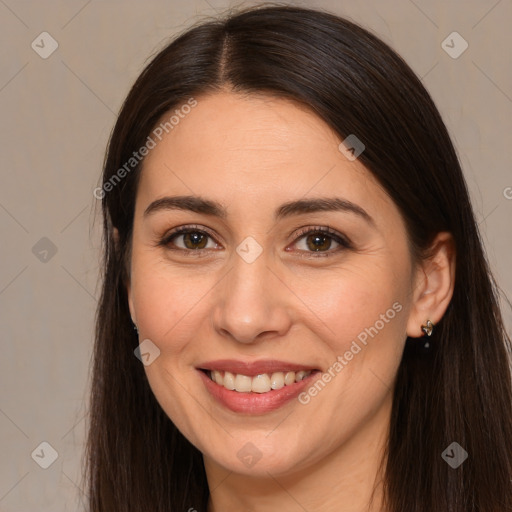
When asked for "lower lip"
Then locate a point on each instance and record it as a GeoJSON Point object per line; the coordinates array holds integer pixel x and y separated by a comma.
{"type": "Point", "coordinates": [255, 403]}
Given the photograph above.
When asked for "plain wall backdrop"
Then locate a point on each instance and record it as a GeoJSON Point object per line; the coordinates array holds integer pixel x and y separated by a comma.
{"type": "Point", "coordinates": [58, 105]}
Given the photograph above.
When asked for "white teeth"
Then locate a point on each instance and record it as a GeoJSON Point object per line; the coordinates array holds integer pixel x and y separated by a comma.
{"type": "Point", "coordinates": [262, 383]}
{"type": "Point", "coordinates": [300, 375]}
{"type": "Point", "coordinates": [242, 383]}
{"type": "Point", "coordinates": [289, 378]}
{"type": "Point", "coordinates": [277, 380]}
{"type": "Point", "coordinates": [217, 377]}
{"type": "Point", "coordinates": [229, 381]}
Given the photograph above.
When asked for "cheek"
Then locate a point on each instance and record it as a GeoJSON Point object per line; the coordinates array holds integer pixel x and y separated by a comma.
{"type": "Point", "coordinates": [357, 302]}
{"type": "Point", "coordinates": [169, 304]}
{"type": "Point", "coordinates": [169, 301]}
{"type": "Point", "coordinates": [363, 315]}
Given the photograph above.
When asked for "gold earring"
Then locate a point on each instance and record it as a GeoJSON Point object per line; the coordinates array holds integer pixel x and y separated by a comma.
{"type": "Point", "coordinates": [428, 328]}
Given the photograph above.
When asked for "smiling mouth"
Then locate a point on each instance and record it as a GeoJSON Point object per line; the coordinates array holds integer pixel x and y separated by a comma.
{"type": "Point", "coordinates": [261, 383]}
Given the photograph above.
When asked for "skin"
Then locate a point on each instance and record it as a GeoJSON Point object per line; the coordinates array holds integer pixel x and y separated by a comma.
{"type": "Point", "coordinates": [253, 153]}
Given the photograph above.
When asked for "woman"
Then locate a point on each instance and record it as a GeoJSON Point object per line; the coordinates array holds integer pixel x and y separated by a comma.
{"type": "Point", "coordinates": [297, 313]}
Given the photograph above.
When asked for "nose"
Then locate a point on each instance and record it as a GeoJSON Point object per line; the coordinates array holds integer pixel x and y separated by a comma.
{"type": "Point", "coordinates": [252, 303]}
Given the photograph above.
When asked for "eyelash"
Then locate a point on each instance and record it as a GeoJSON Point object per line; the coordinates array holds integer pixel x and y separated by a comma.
{"type": "Point", "coordinates": [334, 235]}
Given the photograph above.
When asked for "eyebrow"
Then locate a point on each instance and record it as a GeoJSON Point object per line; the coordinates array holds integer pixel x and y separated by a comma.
{"type": "Point", "coordinates": [198, 204]}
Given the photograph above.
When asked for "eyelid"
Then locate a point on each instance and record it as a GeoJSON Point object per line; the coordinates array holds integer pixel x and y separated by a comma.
{"type": "Point", "coordinates": [188, 228]}
{"type": "Point", "coordinates": [297, 234]}
{"type": "Point", "coordinates": [336, 235]}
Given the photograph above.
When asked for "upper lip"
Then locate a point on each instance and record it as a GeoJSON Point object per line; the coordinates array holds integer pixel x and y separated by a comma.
{"type": "Point", "coordinates": [252, 368]}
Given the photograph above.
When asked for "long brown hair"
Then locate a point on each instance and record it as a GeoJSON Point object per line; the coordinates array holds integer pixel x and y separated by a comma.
{"type": "Point", "coordinates": [136, 459]}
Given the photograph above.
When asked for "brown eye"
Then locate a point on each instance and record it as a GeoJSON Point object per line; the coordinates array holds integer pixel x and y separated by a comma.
{"type": "Point", "coordinates": [318, 242]}
{"type": "Point", "coordinates": [194, 240]}
{"type": "Point", "coordinates": [321, 240]}
{"type": "Point", "coordinates": [188, 239]}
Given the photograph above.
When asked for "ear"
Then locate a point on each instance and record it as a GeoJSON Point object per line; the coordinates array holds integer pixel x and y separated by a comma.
{"type": "Point", "coordinates": [433, 285]}
{"type": "Point", "coordinates": [115, 232]}
{"type": "Point", "coordinates": [130, 303]}
{"type": "Point", "coordinates": [127, 282]}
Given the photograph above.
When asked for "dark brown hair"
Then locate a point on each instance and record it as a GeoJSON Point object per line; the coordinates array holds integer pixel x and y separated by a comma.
{"type": "Point", "coordinates": [461, 391]}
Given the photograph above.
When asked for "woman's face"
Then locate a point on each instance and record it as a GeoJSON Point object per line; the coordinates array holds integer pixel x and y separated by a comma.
{"type": "Point", "coordinates": [257, 291]}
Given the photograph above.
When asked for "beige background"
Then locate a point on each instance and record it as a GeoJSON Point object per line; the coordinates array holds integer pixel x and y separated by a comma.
{"type": "Point", "coordinates": [57, 114]}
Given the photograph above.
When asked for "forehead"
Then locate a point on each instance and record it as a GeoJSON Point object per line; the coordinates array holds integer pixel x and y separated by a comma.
{"type": "Point", "coordinates": [266, 129]}
{"type": "Point", "coordinates": [255, 149]}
